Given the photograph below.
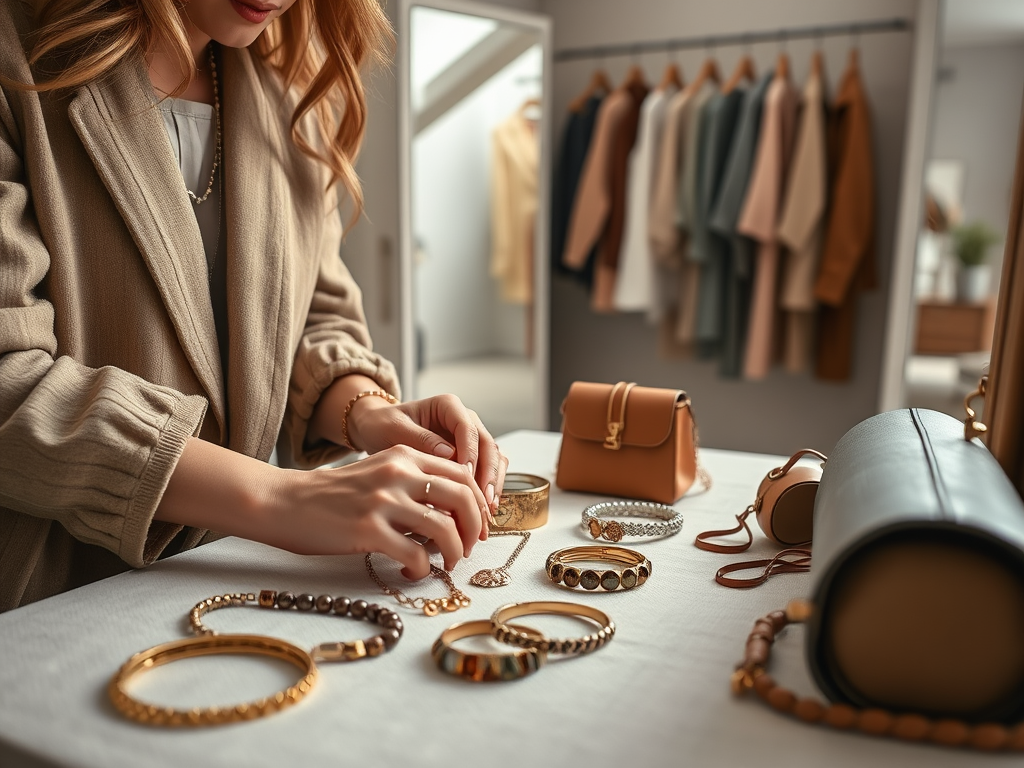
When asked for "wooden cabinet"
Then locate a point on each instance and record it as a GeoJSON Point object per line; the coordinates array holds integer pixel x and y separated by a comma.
{"type": "Point", "coordinates": [952, 329]}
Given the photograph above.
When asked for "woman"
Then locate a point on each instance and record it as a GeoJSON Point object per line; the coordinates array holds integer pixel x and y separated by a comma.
{"type": "Point", "coordinates": [142, 386]}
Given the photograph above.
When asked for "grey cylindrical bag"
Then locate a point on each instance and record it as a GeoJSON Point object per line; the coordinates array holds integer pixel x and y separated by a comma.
{"type": "Point", "coordinates": [918, 573]}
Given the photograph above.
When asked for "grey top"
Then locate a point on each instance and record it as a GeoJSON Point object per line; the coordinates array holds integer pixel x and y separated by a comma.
{"type": "Point", "coordinates": [731, 195]}
{"type": "Point", "coordinates": [192, 129]}
{"type": "Point", "coordinates": [718, 123]}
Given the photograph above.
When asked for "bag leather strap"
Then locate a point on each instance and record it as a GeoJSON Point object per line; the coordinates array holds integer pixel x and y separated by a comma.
{"type": "Point", "coordinates": [613, 441]}
{"type": "Point", "coordinates": [801, 563]}
{"type": "Point", "coordinates": [701, 542]}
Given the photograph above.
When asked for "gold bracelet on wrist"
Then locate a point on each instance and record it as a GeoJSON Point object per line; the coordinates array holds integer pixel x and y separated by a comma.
{"type": "Point", "coordinates": [389, 621]}
{"type": "Point", "coordinates": [513, 635]}
{"type": "Point", "coordinates": [152, 714]}
{"type": "Point", "coordinates": [348, 409]}
{"type": "Point", "coordinates": [638, 568]}
{"type": "Point", "coordinates": [485, 667]}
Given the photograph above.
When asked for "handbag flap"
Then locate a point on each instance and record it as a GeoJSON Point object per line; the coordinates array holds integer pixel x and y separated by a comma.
{"type": "Point", "coordinates": [650, 413]}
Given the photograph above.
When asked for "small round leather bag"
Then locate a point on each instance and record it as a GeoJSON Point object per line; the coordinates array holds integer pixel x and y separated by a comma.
{"type": "Point", "coordinates": [784, 509]}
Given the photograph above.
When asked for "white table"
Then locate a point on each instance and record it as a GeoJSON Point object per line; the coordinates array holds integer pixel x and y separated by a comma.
{"type": "Point", "coordinates": [656, 695]}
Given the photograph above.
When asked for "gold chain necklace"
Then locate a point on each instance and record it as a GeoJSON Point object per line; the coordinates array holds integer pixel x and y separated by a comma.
{"type": "Point", "coordinates": [498, 577]}
{"type": "Point", "coordinates": [216, 112]}
{"type": "Point", "coordinates": [430, 606]}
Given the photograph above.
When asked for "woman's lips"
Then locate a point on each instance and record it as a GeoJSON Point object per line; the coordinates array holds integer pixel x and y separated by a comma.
{"type": "Point", "coordinates": [250, 13]}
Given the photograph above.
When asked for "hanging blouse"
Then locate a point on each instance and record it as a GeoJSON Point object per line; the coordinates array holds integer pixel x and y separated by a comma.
{"type": "Point", "coordinates": [514, 163]}
{"type": "Point", "coordinates": [801, 228]}
{"type": "Point", "coordinates": [848, 259]}
{"type": "Point", "coordinates": [739, 270]}
{"type": "Point", "coordinates": [759, 220]}
{"type": "Point", "coordinates": [689, 278]}
{"type": "Point", "coordinates": [634, 283]}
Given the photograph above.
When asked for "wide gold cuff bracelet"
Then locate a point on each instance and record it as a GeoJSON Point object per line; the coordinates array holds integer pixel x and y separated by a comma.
{"type": "Point", "coordinates": [485, 667]}
{"type": "Point", "coordinates": [513, 635]}
{"type": "Point", "coordinates": [638, 568]}
{"type": "Point", "coordinates": [153, 714]}
{"type": "Point", "coordinates": [524, 503]}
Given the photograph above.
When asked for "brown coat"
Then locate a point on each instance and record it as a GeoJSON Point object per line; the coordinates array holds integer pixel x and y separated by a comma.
{"type": "Point", "coordinates": [109, 359]}
{"type": "Point", "coordinates": [848, 258]}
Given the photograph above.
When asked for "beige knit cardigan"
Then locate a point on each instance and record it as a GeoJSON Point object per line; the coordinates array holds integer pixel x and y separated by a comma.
{"type": "Point", "coordinates": [109, 357]}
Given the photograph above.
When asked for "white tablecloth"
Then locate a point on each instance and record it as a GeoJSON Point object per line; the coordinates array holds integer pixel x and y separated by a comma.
{"type": "Point", "coordinates": [656, 695]}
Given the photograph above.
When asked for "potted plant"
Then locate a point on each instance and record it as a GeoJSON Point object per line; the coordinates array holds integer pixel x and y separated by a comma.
{"type": "Point", "coordinates": [971, 243]}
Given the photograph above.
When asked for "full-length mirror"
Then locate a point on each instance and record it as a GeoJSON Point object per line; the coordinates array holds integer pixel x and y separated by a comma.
{"type": "Point", "coordinates": [473, 171]}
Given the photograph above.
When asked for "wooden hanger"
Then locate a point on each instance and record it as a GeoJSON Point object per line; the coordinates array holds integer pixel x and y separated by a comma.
{"type": "Point", "coordinates": [530, 109]}
{"type": "Point", "coordinates": [817, 63]}
{"type": "Point", "coordinates": [708, 71]}
{"type": "Point", "coordinates": [599, 83]}
{"type": "Point", "coordinates": [782, 65]}
{"type": "Point", "coordinates": [744, 69]}
{"type": "Point", "coordinates": [853, 59]}
{"type": "Point", "coordinates": [634, 76]}
{"type": "Point", "coordinates": [671, 78]}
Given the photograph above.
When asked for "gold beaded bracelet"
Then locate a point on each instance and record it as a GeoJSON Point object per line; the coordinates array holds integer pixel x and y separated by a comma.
{"type": "Point", "coordinates": [152, 714]}
{"type": "Point", "coordinates": [513, 635]}
{"type": "Point", "coordinates": [348, 409]}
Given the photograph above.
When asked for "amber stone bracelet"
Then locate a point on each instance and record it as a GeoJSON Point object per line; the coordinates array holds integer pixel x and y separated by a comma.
{"type": "Point", "coordinates": [751, 674]}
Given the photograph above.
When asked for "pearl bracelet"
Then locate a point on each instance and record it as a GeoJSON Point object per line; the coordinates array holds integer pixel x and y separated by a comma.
{"type": "Point", "coordinates": [670, 520]}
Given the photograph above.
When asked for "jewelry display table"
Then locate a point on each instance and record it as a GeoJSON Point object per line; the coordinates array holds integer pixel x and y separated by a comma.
{"type": "Point", "coordinates": [656, 695]}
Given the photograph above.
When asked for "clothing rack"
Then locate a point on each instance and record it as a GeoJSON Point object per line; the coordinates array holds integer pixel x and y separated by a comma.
{"type": "Point", "coordinates": [783, 35]}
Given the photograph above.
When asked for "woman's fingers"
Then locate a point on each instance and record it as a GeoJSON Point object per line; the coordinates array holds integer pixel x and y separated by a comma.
{"type": "Point", "coordinates": [452, 489]}
{"type": "Point", "coordinates": [435, 515]}
{"type": "Point", "coordinates": [412, 556]}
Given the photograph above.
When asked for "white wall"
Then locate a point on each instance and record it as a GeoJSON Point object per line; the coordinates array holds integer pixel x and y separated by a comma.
{"type": "Point", "coordinates": [784, 412]}
{"type": "Point", "coordinates": [977, 120]}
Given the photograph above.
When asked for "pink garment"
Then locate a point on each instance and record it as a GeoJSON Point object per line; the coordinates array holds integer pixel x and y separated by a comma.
{"type": "Point", "coordinates": [759, 218]}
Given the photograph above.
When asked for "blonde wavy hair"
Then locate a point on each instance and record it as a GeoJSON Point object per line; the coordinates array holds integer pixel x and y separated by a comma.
{"type": "Point", "coordinates": [318, 47]}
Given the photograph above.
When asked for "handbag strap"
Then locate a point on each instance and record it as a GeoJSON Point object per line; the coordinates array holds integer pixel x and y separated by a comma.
{"type": "Point", "coordinates": [701, 542]}
{"type": "Point", "coordinates": [613, 441]}
{"type": "Point", "coordinates": [778, 472]}
{"type": "Point", "coordinates": [801, 563]}
{"type": "Point", "coordinates": [751, 674]}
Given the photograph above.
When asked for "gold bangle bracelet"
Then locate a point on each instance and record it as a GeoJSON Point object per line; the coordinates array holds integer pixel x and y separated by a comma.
{"type": "Point", "coordinates": [153, 714]}
{"type": "Point", "coordinates": [348, 409]}
{"type": "Point", "coordinates": [509, 633]}
{"type": "Point", "coordinates": [485, 667]}
{"type": "Point", "coordinates": [524, 503]}
{"type": "Point", "coordinates": [638, 568]}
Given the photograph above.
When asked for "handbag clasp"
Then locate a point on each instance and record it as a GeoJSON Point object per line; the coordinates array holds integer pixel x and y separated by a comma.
{"type": "Point", "coordinates": [613, 440]}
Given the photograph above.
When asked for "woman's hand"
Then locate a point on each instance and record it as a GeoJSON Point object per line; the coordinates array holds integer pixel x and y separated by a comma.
{"type": "Point", "coordinates": [367, 506]}
{"type": "Point", "coordinates": [440, 426]}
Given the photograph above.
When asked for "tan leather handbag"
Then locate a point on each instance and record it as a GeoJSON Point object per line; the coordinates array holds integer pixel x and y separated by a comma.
{"type": "Point", "coordinates": [630, 441]}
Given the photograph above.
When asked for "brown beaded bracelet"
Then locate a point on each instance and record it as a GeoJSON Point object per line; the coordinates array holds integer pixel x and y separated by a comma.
{"type": "Point", "coordinates": [751, 674]}
{"type": "Point", "coordinates": [339, 606]}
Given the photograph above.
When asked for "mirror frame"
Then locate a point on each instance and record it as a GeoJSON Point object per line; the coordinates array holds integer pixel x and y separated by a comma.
{"type": "Point", "coordinates": [541, 286]}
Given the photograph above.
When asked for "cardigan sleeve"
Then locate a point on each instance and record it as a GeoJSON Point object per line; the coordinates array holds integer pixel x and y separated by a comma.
{"type": "Point", "coordinates": [91, 448]}
{"type": "Point", "coordinates": [335, 342]}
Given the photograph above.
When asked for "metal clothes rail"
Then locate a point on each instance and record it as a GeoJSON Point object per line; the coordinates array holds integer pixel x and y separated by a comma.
{"type": "Point", "coordinates": [853, 29]}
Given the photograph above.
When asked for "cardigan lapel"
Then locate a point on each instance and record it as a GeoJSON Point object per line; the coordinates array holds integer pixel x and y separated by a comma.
{"type": "Point", "coordinates": [258, 215]}
{"type": "Point", "coordinates": [125, 137]}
